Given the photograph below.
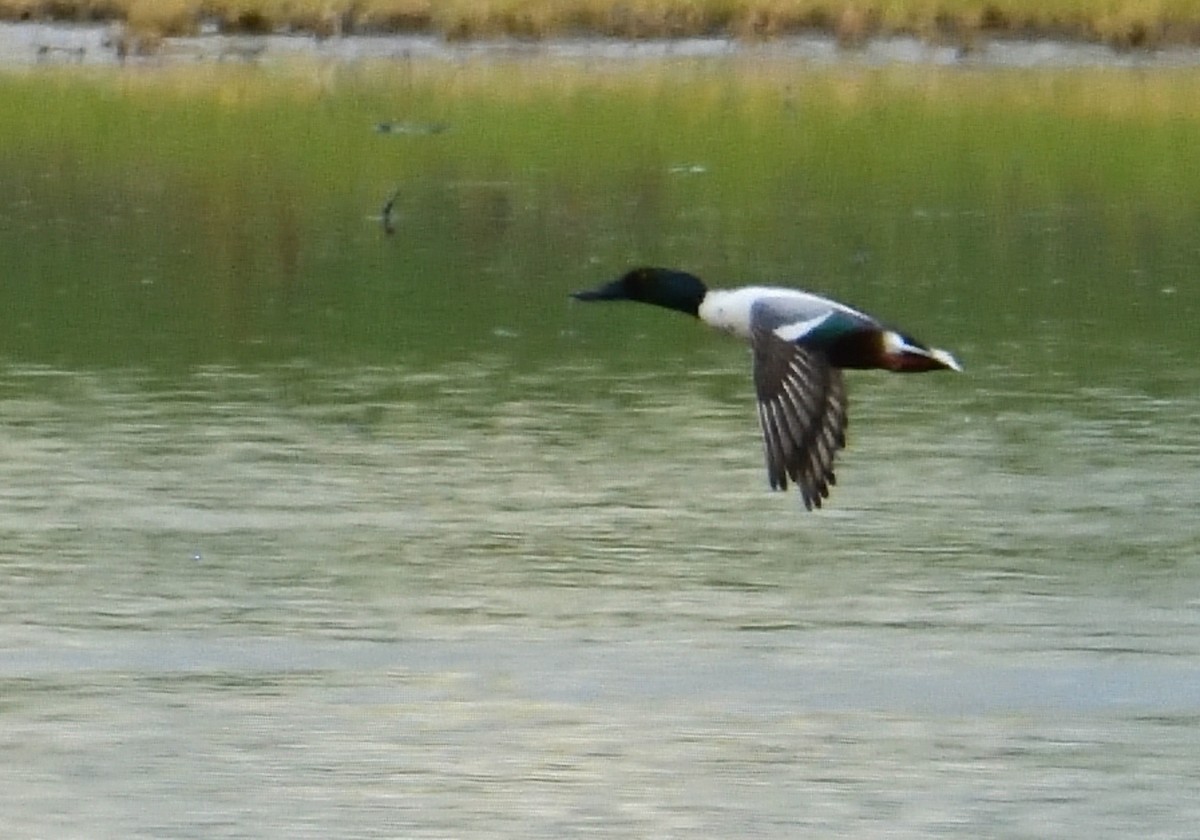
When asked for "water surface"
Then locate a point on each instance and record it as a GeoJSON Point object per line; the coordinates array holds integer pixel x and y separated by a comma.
{"type": "Point", "coordinates": [310, 531]}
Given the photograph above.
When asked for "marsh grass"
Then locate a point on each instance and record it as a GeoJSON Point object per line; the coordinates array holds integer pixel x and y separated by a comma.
{"type": "Point", "coordinates": [1121, 23]}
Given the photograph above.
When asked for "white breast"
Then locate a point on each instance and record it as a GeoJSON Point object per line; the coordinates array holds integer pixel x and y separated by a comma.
{"type": "Point", "coordinates": [730, 310]}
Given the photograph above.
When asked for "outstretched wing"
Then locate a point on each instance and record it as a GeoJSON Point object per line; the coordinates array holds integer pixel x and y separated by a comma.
{"type": "Point", "coordinates": [802, 411]}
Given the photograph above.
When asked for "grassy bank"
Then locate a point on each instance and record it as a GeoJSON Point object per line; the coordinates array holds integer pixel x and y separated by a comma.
{"type": "Point", "coordinates": [1121, 23]}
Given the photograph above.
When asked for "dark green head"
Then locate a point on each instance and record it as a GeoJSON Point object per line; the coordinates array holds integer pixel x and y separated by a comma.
{"type": "Point", "coordinates": [660, 286]}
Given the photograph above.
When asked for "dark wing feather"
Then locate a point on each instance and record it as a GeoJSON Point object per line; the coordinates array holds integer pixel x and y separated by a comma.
{"type": "Point", "coordinates": [802, 411]}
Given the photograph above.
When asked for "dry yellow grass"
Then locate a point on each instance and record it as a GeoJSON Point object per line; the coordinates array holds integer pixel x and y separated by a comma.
{"type": "Point", "coordinates": [1123, 23]}
{"type": "Point", "coordinates": [162, 18]}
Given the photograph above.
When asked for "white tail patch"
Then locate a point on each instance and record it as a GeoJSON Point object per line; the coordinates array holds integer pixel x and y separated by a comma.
{"type": "Point", "coordinates": [895, 344]}
{"type": "Point", "coordinates": [946, 359]}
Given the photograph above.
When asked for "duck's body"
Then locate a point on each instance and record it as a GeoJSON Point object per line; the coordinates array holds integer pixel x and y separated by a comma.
{"type": "Point", "coordinates": [800, 342]}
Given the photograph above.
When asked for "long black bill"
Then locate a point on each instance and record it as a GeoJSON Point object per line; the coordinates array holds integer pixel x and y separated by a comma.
{"type": "Point", "coordinates": [609, 291]}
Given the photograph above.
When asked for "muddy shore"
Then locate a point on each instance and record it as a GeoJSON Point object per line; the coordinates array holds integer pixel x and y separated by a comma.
{"type": "Point", "coordinates": [42, 44]}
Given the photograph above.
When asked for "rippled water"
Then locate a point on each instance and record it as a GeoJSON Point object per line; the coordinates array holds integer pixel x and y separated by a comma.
{"type": "Point", "coordinates": [360, 603]}
{"type": "Point", "coordinates": [309, 530]}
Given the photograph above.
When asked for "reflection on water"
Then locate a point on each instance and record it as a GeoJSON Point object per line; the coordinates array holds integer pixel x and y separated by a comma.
{"type": "Point", "coordinates": [383, 602]}
{"type": "Point", "coordinates": [311, 531]}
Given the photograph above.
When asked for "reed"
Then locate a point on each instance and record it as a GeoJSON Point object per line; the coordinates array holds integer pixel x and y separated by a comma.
{"type": "Point", "coordinates": [1121, 23]}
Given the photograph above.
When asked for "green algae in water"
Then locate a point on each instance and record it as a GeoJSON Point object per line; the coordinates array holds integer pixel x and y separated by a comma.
{"type": "Point", "coordinates": [202, 215]}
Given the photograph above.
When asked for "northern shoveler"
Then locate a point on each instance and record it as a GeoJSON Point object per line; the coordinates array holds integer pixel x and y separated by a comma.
{"type": "Point", "coordinates": [800, 342]}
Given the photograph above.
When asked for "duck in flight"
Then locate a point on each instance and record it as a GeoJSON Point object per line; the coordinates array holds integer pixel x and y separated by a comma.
{"type": "Point", "coordinates": [801, 342]}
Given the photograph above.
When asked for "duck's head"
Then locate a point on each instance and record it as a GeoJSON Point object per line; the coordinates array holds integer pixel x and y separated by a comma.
{"type": "Point", "coordinates": [665, 287]}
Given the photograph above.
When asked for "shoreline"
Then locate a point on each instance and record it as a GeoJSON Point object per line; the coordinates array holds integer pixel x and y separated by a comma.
{"type": "Point", "coordinates": [108, 45]}
{"type": "Point", "coordinates": [1123, 24]}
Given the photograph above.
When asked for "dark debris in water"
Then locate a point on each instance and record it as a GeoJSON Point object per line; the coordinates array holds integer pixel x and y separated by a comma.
{"type": "Point", "coordinates": [387, 215]}
{"type": "Point", "coordinates": [411, 128]}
